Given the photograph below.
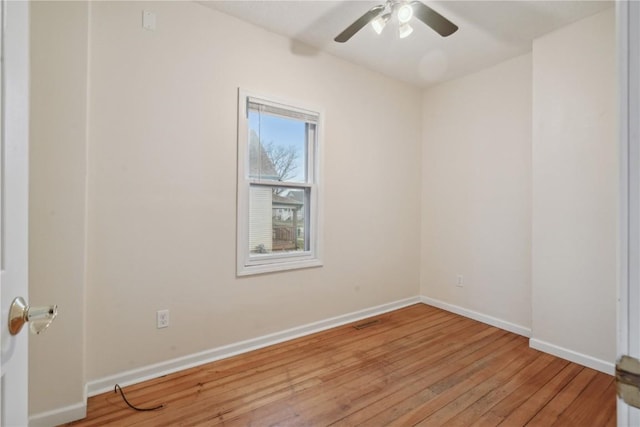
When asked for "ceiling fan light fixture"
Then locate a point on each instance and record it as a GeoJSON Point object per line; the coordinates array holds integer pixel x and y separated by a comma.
{"type": "Point", "coordinates": [405, 30]}
{"type": "Point", "coordinates": [379, 23]}
{"type": "Point", "coordinates": [405, 13]}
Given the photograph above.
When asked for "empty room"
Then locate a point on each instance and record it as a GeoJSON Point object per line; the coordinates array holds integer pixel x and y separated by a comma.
{"type": "Point", "coordinates": [322, 213]}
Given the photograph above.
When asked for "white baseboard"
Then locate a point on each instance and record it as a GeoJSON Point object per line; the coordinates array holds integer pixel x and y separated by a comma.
{"type": "Point", "coordinates": [563, 353]}
{"type": "Point", "coordinates": [170, 366]}
{"type": "Point", "coordinates": [573, 356]}
{"type": "Point", "coordinates": [489, 320]}
{"type": "Point", "coordinates": [59, 416]}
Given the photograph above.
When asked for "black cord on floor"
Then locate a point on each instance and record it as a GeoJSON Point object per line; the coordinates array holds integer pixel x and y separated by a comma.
{"type": "Point", "coordinates": [118, 388]}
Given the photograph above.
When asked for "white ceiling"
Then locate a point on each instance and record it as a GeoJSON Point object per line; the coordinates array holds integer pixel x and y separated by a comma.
{"type": "Point", "coordinates": [490, 32]}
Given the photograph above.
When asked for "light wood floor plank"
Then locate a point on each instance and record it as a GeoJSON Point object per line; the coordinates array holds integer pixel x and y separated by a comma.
{"type": "Point", "coordinates": [566, 396]}
{"type": "Point", "coordinates": [416, 366]}
{"type": "Point", "coordinates": [587, 408]}
{"type": "Point", "coordinates": [402, 395]}
{"type": "Point", "coordinates": [538, 400]}
{"type": "Point", "coordinates": [467, 377]}
{"type": "Point", "coordinates": [398, 375]}
{"type": "Point", "coordinates": [544, 364]}
{"type": "Point", "coordinates": [365, 373]}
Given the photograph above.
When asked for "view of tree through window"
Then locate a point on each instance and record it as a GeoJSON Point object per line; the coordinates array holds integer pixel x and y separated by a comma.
{"type": "Point", "coordinates": [277, 213]}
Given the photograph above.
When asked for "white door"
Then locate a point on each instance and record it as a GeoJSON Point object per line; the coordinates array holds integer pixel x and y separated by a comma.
{"type": "Point", "coordinates": [629, 109]}
{"type": "Point", "coordinates": [13, 208]}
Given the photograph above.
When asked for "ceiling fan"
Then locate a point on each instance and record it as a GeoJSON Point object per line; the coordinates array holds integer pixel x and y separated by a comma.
{"type": "Point", "coordinates": [404, 11]}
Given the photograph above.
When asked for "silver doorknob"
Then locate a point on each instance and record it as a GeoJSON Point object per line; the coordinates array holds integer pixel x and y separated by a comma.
{"type": "Point", "coordinates": [39, 318]}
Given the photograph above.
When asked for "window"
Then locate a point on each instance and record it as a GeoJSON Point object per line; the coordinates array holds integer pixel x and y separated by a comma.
{"type": "Point", "coordinates": [278, 186]}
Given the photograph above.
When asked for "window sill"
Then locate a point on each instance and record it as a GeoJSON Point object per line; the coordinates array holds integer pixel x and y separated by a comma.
{"type": "Point", "coordinates": [273, 267]}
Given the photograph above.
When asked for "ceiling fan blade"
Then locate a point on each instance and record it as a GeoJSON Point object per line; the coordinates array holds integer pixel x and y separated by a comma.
{"type": "Point", "coordinates": [433, 19]}
{"type": "Point", "coordinates": [359, 24]}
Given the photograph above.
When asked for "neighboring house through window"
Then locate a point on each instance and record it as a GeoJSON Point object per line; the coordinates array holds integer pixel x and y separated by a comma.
{"type": "Point", "coordinates": [278, 186]}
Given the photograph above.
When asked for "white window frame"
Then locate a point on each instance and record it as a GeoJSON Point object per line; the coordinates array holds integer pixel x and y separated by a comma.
{"type": "Point", "coordinates": [247, 263]}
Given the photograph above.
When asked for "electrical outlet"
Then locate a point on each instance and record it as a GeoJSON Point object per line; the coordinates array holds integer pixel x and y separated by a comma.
{"type": "Point", "coordinates": [162, 319]}
{"type": "Point", "coordinates": [459, 281]}
{"type": "Point", "coordinates": [148, 20]}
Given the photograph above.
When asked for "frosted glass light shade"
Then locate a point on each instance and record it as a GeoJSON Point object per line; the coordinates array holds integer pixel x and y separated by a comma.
{"type": "Point", "coordinates": [405, 13]}
{"type": "Point", "coordinates": [404, 30]}
{"type": "Point", "coordinates": [379, 23]}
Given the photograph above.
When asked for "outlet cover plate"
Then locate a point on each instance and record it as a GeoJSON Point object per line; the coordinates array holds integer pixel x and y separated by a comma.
{"type": "Point", "coordinates": [162, 319]}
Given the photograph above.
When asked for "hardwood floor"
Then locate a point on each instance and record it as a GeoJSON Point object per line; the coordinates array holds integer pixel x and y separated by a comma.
{"type": "Point", "coordinates": [415, 366]}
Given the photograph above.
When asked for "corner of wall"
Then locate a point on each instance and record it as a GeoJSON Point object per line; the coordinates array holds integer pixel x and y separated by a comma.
{"type": "Point", "coordinates": [59, 416]}
{"type": "Point", "coordinates": [57, 195]}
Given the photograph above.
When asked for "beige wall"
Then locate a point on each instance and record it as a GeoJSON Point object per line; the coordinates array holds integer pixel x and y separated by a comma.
{"type": "Point", "coordinates": [162, 185]}
{"type": "Point", "coordinates": [476, 192]}
{"type": "Point", "coordinates": [575, 187]}
{"type": "Point", "coordinates": [57, 199]}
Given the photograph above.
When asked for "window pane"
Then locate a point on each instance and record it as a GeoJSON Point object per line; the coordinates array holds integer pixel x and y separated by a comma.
{"type": "Point", "coordinates": [277, 148]}
{"type": "Point", "coordinates": [277, 220]}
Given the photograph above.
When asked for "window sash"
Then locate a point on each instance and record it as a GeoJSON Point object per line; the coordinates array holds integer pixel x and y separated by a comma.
{"type": "Point", "coordinates": [306, 223]}
{"type": "Point", "coordinates": [281, 110]}
{"type": "Point", "coordinates": [311, 147]}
